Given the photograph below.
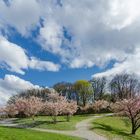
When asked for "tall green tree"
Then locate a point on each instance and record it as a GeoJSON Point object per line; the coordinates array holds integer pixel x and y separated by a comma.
{"type": "Point", "coordinates": [84, 90]}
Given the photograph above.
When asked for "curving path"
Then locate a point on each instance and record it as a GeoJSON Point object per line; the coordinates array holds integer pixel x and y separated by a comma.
{"type": "Point", "coordinates": [82, 129]}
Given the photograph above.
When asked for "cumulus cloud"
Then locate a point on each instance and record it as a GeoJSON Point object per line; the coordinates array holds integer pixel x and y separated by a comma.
{"type": "Point", "coordinates": [51, 35]}
{"type": "Point", "coordinates": [12, 85]}
{"type": "Point", "coordinates": [130, 65]}
{"type": "Point", "coordinates": [35, 63]}
{"type": "Point", "coordinates": [98, 30]}
{"type": "Point", "coordinates": [14, 58]}
{"type": "Point", "coordinates": [20, 14]}
{"type": "Point", "coordinates": [119, 16]}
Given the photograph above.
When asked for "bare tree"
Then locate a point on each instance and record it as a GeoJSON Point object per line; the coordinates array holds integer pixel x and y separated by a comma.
{"type": "Point", "coordinates": [65, 89]}
{"type": "Point", "coordinates": [40, 93]}
{"type": "Point", "coordinates": [99, 85]}
{"type": "Point", "coordinates": [124, 86]}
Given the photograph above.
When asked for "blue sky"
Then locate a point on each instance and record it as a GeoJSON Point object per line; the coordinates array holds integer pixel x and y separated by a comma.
{"type": "Point", "coordinates": [43, 42]}
{"type": "Point", "coordinates": [48, 78]}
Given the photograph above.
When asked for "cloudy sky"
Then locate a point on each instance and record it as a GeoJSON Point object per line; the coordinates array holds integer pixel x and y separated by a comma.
{"type": "Point", "coordinates": [47, 41]}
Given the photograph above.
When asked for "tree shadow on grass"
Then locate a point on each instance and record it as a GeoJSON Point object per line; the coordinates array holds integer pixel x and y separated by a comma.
{"type": "Point", "coordinates": [36, 124]}
{"type": "Point", "coordinates": [114, 131]}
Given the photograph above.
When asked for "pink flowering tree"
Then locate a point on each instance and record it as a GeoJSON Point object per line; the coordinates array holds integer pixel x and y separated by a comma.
{"type": "Point", "coordinates": [10, 110]}
{"type": "Point", "coordinates": [131, 109]}
{"type": "Point", "coordinates": [33, 106]}
{"type": "Point", "coordinates": [1, 112]}
{"type": "Point", "coordinates": [28, 106]}
{"type": "Point", "coordinates": [58, 105]}
{"type": "Point", "coordinates": [20, 106]}
{"type": "Point", "coordinates": [52, 109]}
{"type": "Point", "coordinates": [100, 104]}
{"type": "Point", "coordinates": [69, 108]}
{"type": "Point", "coordinates": [54, 106]}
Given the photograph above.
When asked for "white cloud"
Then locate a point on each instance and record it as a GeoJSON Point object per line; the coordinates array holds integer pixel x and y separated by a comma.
{"type": "Point", "coordinates": [21, 14]}
{"type": "Point", "coordinates": [14, 58]}
{"type": "Point", "coordinates": [12, 85]}
{"type": "Point", "coordinates": [100, 30]}
{"type": "Point", "coordinates": [122, 14]}
{"type": "Point", "coordinates": [43, 65]}
{"type": "Point", "coordinates": [130, 65]}
{"type": "Point", "coordinates": [51, 37]}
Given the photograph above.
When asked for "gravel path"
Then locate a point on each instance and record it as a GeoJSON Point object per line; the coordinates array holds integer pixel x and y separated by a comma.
{"type": "Point", "coordinates": [82, 129]}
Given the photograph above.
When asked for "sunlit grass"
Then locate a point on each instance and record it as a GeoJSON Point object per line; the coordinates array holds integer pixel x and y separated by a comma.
{"type": "Point", "coordinates": [115, 127]}
{"type": "Point", "coordinates": [23, 134]}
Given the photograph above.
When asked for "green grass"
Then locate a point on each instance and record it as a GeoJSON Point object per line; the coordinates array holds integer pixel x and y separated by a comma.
{"type": "Point", "coordinates": [46, 122]}
{"type": "Point", "coordinates": [23, 134]}
{"type": "Point", "coordinates": [115, 127]}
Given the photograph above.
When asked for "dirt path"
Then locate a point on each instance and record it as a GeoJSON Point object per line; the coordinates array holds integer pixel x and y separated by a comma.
{"type": "Point", "coordinates": [82, 129]}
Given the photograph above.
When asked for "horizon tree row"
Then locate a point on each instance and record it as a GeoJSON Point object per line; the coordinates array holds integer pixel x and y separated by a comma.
{"type": "Point", "coordinates": [121, 86]}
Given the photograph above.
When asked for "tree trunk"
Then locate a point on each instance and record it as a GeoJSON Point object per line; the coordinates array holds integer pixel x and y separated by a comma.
{"type": "Point", "coordinates": [84, 102]}
{"type": "Point", "coordinates": [133, 131]}
{"type": "Point", "coordinates": [68, 117]}
{"type": "Point", "coordinates": [54, 119]}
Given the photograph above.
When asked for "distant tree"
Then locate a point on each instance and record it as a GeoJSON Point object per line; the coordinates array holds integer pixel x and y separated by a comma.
{"type": "Point", "coordinates": [65, 89]}
{"type": "Point", "coordinates": [124, 86]}
{"type": "Point", "coordinates": [84, 90]}
{"type": "Point", "coordinates": [99, 86]}
{"type": "Point", "coordinates": [131, 109]}
{"type": "Point", "coordinates": [40, 93]}
{"type": "Point", "coordinates": [107, 97]}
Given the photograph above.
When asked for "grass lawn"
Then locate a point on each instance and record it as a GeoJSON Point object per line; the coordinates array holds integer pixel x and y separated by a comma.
{"type": "Point", "coordinates": [115, 127]}
{"type": "Point", "coordinates": [46, 122]}
{"type": "Point", "coordinates": [23, 134]}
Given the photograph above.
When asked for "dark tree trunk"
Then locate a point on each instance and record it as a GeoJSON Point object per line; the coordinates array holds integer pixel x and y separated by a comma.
{"type": "Point", "coordinates": [133, 131]}
{"type": "Point", "coordinates": [84, 101]}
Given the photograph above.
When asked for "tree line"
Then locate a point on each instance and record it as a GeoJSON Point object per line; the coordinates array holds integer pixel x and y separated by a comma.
{"type": "Point", "coordinates": [121, 86]}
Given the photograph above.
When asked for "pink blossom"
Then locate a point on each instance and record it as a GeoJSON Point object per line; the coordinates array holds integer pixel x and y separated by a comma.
{"type": "Point", "coordinates": [131, 109]}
